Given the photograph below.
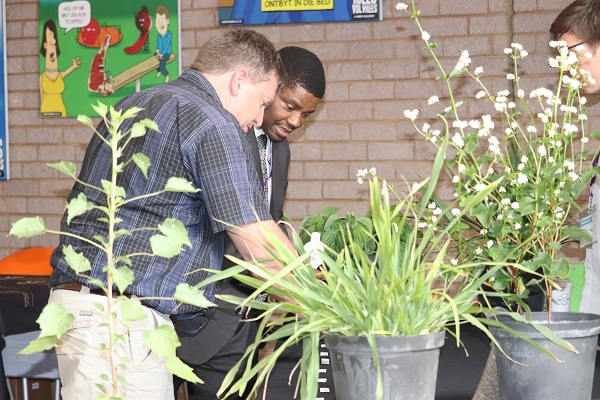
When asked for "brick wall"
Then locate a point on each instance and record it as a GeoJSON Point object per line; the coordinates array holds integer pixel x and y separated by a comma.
{"type": "Point", "coordinates": [375, 70]}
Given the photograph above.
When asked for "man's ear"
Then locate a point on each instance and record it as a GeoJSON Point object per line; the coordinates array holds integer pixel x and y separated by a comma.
{"type": "Point", "coordinates": [237, 79]}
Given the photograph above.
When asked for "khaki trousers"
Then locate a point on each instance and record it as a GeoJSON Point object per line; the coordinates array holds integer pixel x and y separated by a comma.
{"type": "Point", "coordinates": [84, 365]}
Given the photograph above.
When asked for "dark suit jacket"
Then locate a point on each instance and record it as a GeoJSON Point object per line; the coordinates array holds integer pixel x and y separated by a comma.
{"type": "Point", "coordinates": [198, 349]}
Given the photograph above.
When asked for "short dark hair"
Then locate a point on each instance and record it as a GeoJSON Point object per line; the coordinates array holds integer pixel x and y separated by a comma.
{"type": "Point", "coordinates": [303, 68]}
{"type": "Point", "coordinates": [580, 18]}
{"type": "Point", "coordinates": [239, 47]}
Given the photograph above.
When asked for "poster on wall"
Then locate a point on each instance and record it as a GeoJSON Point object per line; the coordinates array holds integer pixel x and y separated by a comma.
{"type": "Point", "coordinates": [104, 50]}
{"type": "Point", "coordinates": [263, 12]}
{"type": "Point", "coordinates": [4, 170]}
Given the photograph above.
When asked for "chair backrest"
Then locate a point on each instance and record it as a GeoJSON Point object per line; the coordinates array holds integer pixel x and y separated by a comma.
{"type": "Point", "coordinates": [31, 261]}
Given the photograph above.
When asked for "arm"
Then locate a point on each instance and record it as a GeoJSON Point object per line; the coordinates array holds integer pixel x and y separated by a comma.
{"type": "Point", "coordinates": [249, 239]}
{"type": "Point", "coordinates": [76, 64]}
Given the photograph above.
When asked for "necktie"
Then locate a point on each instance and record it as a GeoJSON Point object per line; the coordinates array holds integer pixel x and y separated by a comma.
{"type": "Point", "coordinates": [261, 140]}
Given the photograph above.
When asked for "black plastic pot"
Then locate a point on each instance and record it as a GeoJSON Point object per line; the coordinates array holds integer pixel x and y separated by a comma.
{"type": "Point", "coordinates": [540, 377]}
{"type": "Point", "coordinates": [408, 366]}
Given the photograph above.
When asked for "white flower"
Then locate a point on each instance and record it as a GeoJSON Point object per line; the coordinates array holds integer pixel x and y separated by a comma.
{"type": "Point", "coordinates": [425, 36]}
{"type": "Point", "coordinates": [460, 124]}
{"type": "Point", "coordinates": [584, 140]}
{"type": "Point", "coordinates": [373, 171]}
{"type": "Point", "coordinates": [522, 178]}
{"type": "Point", "coordinates": [517, 226]}
{"type": "Point", "coordinates": [455, 212]}
{"type": "Point", "coordinates": [455, 179]}
{"type": "Point", "coordinates": [478, 70]}
{"type": "Point", "coordinates": [510, 77]}
{"type": "Point", "coordinates": [426, 127]}
{"type": "Point", "coordinates": [505, 201]}
{"type": "Point", "coordinates": [433, 100]}
{"type": "Point", "coordinates": [479, 187]}
{"type": "Point", "coordinates": [508, 50]}
{"type": "Point", "coordinates": [422, 224]}
{"type": "Point", "coordinates": [478, 250]}
{"type": "Point", "coordinates": [523, 53]}
{"type": "Point", "coordinates": [481, 94]}
{"type": "Point", "coordinates": [531, 129]}
{"type": "Point", "coordinates": [401, 6]}
{"type": "Point", "coordinates": [412, 115]}
{"type": "Point", "coordinates": [454, 261]}
{"type": "Point", "coordinates": [542, 150]}
{"type": "Point", "coordinates": [521, 93]}
{"type": "Point", "coordinates": [463, 60]}
{"type": "Point", "coordinates": [458, 140]}
{"type": "Point", "coordinates": [490, 243]}
{"type": "Point", "coordinates": [515, 205]}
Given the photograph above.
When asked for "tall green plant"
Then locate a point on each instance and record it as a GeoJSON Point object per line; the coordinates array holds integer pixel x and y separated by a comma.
{"type": "Point", "coordinates": [168, 242]}
{"type": "Point", "coordinates": [536, 145]}
{"type": "Point", "coordinates": [333, 227]}
{"type": "Point", "coordinates": [395, 292]}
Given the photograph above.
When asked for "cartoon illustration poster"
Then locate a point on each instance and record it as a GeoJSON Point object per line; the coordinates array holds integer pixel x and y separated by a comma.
{"type": "Point", "coordinates": [4, 170]}
{"type": "Point", "coordinates": [104, 50]}
{"type": "Point", "coordinates": [261, 12]}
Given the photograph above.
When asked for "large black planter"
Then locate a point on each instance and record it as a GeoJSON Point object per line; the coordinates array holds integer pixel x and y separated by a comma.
{"type": "Point", "coordinates": [408, 366]}
{"type": "Point", "coordinates": [540, 377]}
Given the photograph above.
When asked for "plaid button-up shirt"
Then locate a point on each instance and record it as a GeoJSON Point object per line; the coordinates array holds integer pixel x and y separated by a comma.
{"type": "Point", "coordinates": [200, 141]}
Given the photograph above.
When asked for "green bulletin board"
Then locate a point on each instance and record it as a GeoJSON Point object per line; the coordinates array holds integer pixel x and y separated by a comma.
{"type": "Point", "coordinates": [104, 50]}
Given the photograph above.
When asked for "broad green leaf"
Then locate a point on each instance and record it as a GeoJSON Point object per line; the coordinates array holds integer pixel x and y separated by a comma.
{"type": "Point", "coordinates": [101, 109]}
{"type": "Point", "coordinates": [54, 320]}
{"type": "Point", "coordinates": [142, 162]}
{"type": "Point", "coordinates": [192, 295]}
{"type": "Point", "coordinates": [76, 261]}
{"type": "Point", "coordinates": [40, 344]}
{"type": "Point", "coordinates": [66, 167]}
{"type": "Point", "coordinates": [148, 123]}
{"type": "Point", "coordinates": [28, 227]}
{"type": "Point", "coordinates": [180, 185]}
{"type": "Point", "coordinates": [132, 310]}
{"type": "Point", "coordinates": [175, 230]}
{"type": "Point", "coordinates": [162, 246]}
{"type": "Point", "coordinates": [182, 370]}
{"type": "Point", "coordinates": [123, 277]}
{"type": "Point", "coordinates": [78, 206]}
{"type": "Point", "coordinates": [85, 120]}
{"type": "Point", "coordinates": [132, 112]}
{"type": "Point", "coordinates": [137, 130]}
{"type": "Point", "coordinates": [162, 340]}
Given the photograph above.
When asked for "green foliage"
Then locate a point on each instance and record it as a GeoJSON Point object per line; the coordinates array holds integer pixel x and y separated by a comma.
{"type": "Point", "coordinates": [535, 144]}
{"type": "Point", "coordinates": [408, 286]}
{"type": "Point", "coordinates": [334, 229]}
{"type": "Point", "coordinates": [168, 242]}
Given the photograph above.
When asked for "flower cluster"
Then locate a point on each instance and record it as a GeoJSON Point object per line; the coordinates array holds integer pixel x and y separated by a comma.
{"type": "Point", "coordinates": [534, 146]}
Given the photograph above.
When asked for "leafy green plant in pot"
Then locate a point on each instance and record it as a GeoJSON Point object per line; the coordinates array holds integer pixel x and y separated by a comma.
{"type": "Point", "coordinates": [119, 311]}
{"type": "Point", "coordinates": [377, 300]}
{"type": "Point", "coordinates": [540, 158]}
{"type": "Point", "coordinates": [333, 228]}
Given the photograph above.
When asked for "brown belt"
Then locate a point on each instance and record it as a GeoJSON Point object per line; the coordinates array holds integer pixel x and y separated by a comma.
{"type": "Point", "coordinates": [76, 287]}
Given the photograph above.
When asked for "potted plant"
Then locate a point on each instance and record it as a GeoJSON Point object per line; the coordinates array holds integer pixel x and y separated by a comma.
{"type": "Point", "coordinates": [388, 308]}
{"type": "Point", "coordinates": [535, 144]}
{"type": "Point", "coordinates": [120, 311]}
{"type": "Point", "coordinates": [333, 226]}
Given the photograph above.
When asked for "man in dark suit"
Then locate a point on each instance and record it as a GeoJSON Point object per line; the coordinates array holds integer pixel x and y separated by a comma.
{"type": "Point", "coordinates": [222, 342]}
